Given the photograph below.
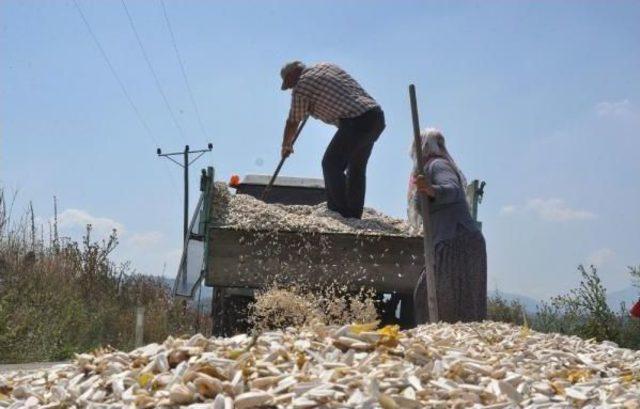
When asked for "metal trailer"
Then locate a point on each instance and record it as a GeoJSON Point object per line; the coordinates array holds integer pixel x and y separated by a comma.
{"type": "Point", "coordinates": [236, 262]}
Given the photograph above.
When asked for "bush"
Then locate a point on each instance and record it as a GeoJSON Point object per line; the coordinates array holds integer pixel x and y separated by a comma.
{"type": "Point", "coordinates": [583, 312]}
{"type": "Point", "coordinates": [60, 297]}
{"type": "Point", "coordinates": [499, 309]}
{"type": "Point", "coordinates": [634, 272]}
{"type": "Point", "coordinates": [585, 309]}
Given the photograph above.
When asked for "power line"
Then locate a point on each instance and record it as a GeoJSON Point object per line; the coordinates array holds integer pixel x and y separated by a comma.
{"type": "Point", "coordinates": [115, 74]}
{"type": "Point", "coordinates": [153, 71]}
{"type": "Point", "coordinates": [182, 70]}
{"type": "Point", "coordinates": [122, 86]}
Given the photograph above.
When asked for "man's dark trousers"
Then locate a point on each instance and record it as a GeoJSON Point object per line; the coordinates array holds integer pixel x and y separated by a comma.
{"type": "Point", "coordinates": [345, 162]}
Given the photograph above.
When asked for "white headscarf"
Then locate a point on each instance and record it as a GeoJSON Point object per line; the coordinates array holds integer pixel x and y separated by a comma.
{"type": "Point", "coordinates": [433, 145]}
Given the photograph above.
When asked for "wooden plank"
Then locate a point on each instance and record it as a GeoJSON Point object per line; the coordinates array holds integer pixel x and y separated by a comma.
{"type": "Point", "coordinates": [255, 259]}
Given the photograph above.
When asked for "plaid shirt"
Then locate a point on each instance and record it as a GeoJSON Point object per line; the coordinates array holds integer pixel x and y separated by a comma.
{"type": "Point", "coordinates": [326, 92]}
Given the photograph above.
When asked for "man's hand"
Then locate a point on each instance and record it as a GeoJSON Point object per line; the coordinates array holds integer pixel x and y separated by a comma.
{"type": "Point", "coordinates": [286, 151]}
{"type": "Point", "coordinates": [423, 186]}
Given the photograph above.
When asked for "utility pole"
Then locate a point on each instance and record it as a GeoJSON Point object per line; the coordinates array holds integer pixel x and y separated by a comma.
{"type": "Point", "coordinates": [33, 227]}
{"type": "Point", "coordinates": [185, 232]}
{"type": "Point", "coordinates": [185, 165]}
{"type": "Point", "coordinates": [56, 241]}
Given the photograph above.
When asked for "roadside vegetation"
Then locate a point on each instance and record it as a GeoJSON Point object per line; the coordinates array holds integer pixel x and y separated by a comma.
{"type": "Point", "coordinates": [59, 296]}
{"type": "Point", "coordinates": [583, 311]}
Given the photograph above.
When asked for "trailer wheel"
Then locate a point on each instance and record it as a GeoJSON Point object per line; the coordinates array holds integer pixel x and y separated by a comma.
{"type": "Point", "coordinates": [386, 306]}
{"type": "Point", "coordinates": [218, 327]}
{"type": "Point", "coordinates": [229, 313]}
{"type": "Point", "coordinates": [407, 314]}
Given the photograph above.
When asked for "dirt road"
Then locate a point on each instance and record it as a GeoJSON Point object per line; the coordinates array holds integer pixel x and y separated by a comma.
{"type": "Point", "coordinates": [31, 366]}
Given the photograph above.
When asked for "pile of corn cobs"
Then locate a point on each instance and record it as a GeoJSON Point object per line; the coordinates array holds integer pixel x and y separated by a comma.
{"type": "Point", "coordinates": [244, 212]}
{"type": "Point", "coordinates": [355, 366]}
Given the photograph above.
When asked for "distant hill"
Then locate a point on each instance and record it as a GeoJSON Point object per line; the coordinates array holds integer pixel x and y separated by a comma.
{"type": "Point", "coordinates": [205, 298]}
{"type": "Point", "coordinates": [627, 295]}
{"type": "Point", "coordinates": [529, 304]}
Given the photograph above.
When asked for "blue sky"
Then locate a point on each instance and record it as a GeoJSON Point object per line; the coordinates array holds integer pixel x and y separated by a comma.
{"type": "Point", "coordinates": [540, 99]}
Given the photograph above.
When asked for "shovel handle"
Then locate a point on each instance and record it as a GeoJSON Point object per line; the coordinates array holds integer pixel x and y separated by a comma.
{"type": "Point", "coordinates": [275, 174]}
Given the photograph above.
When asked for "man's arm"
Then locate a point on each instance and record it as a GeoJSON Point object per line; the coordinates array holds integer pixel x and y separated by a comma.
{"type": "Point", "coordinates": [290, 129]}
{"type": "Point", "coordinates": [299, 108]}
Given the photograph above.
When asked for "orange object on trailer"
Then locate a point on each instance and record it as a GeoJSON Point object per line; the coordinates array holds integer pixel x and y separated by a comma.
{"type": "Point", "coordinates": [234, 181]}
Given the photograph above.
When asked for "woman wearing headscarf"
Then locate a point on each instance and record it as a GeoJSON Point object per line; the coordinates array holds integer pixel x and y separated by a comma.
{"type": "Point", "coordinates": [460, 252]}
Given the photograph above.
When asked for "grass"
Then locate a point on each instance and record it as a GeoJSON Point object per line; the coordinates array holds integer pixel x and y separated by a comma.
{"type": "Point", "coordinates": [58, 297]}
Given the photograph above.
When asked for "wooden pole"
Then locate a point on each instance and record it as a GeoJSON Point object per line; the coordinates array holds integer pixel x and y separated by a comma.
{"type": "Point", "coordinates": [429, 259]}
{"type": "Point", "coordinates": [139, 327]}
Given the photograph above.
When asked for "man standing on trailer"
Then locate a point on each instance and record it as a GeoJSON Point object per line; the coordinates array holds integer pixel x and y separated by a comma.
{"type": "Point", "coordinates": [326, 92]}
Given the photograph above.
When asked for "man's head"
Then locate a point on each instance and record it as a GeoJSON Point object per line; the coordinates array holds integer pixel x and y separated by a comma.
{"type": "Point", "coordinates": [290, 74]}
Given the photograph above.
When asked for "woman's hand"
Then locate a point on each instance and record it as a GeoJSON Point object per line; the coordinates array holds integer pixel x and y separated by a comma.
{"type": "Point", "coordinates": [423, 186]}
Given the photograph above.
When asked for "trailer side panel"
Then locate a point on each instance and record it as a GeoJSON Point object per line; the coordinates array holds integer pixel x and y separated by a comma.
{"type": "Point", "coordinates": [255, 259]}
